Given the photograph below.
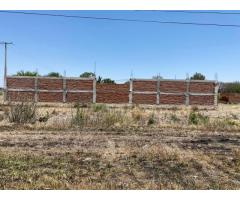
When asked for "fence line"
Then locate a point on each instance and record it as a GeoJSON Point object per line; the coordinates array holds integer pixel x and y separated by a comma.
{"type": "Point", "coordinates": [155, 91]}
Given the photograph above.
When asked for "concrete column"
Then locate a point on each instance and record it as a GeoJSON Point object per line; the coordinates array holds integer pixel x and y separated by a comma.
{"type": "Point", "coordinates": [64, 90]}
{"type": "Point", "coordinates": [216, 94]}
{"type": "Point", "coordinates": [94, 90]}
{"type": "Point", "coordinates": [36, 89]}
{"type": "Point", "coordinates": [187, 92]}
{"type": "Point", "coordinates": [158, 91]}
{"type": "Point", "coordinates": [130, 91]}
{"type": "Point", "coordinates": [5, 89]}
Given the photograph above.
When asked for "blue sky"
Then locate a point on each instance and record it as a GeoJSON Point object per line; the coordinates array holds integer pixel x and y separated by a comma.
{"type": "Point", "coordinates": [58, 44]}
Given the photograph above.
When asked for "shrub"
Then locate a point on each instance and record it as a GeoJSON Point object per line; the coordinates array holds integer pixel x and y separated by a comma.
{"type": "Point", "coordinates": [79, 118]}
{"type": "Point", "coordinates": [151, 120]}
{"type": "Point", "coordinates": [22, 112]}
{"type": "Point", "coordinates": [174, 118]}
{"type": "Point", "coordinates": [197, 118]}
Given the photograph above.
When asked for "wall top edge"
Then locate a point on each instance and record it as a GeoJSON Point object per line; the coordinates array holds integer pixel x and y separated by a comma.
{"type": "Point", "coordinates": [55, 78]}
{"type": "Point", "coordinates": [176, 80]}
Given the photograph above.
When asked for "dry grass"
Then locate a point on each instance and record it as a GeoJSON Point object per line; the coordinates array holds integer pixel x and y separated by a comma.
{"type": "Point", "coordinates": [100, 147]}
{"type": "Point", "coordinates": [113, 160]}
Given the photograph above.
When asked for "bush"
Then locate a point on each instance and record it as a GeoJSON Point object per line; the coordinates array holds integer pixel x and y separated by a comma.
{"type": "Point", "coordinates": [197, 118]}
{"type": "Point", "coordinates": [79, 118]}
{"type": "Point", "coordinates": [174, 118]}
{"type": "Point", "coordinates": [231, 87]}
{"type": "Point", "coordinates": [22, 112]}
{"type": "Point", "coordinates": [151, 120]}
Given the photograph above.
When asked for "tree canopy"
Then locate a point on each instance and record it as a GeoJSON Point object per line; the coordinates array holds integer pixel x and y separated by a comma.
{"type": "Point", "coordinates": [198, 76]}
{"type": "Point", "coordinates": [54, 74]}
{"type": "Point", "coordinates": [87, 75]}
{"type": "Point", "coordinates": [26, 73]}
{"type": "Point", "coordinates": [107, 80]}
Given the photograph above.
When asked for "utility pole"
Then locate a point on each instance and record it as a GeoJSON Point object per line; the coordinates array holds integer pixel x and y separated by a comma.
{"type": "Point", "coordinates": [5, 68]}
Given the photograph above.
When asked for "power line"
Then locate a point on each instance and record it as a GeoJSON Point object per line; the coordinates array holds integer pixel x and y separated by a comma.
{"type": "Point", "coordinates": [123, 19]}
{"type": "Point", "coordinates": [198, 12]}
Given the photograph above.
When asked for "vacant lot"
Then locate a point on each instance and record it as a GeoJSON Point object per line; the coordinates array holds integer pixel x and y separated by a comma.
{"type": "Point", "coordinates": [121, 148]}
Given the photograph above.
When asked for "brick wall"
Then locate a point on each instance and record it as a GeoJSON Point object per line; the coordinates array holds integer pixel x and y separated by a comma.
{"type": "Point", "coordinates": [230, 97]}
{"type": "Point", "coordinates": [172, 99]}
{"type": "Point", "coordinates": [50, 84]}
{"type": "Point", "coordinates": [20, 96]}
{"type": "Point", "coordinates": [82, 90]}
{"type": "Point", "coordinates": [112, 93]}
{"type": "Point", "coordinates": [50, 89]}
{"type": "Point", "coordinates": [175, 87]}
{"type": "Point", "coordinates": [201, 100]}
{"type": "Point", "coordinates": [79, 97]}
{"type": "Point", "coordinates": [23, 83]}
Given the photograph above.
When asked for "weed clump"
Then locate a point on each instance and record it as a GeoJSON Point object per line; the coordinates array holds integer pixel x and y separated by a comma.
{"type": "Point", "coordinates": [79, 118]}
{"type": "Point", "coordinates": [24, 112]}
{"type": "Point", "coordinates": [151, 120]}
{"type": "Point", "coordinates": [197, 118]}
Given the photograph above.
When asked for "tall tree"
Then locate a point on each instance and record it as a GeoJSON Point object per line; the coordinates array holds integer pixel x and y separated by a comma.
{"type": "Point", "coordinates": [198, 76]}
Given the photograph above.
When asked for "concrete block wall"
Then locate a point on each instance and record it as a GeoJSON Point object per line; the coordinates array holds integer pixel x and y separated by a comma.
{"type": "Point", "coordinates": [137, 91]}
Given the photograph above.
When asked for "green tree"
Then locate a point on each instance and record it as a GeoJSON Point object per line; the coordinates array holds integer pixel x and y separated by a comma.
{"type": "Point", "coordinates": [54, 74]}
{"type": "Point", "coordinates": [198, 76]}
{"type": "Point", "coordinates": [87, 75]}
{"type": "Point", "coordinates": [26, 73]}
{"type": "Point", "coordinates": [107, 80]}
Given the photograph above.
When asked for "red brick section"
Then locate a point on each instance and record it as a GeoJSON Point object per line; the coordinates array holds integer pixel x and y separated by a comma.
{"type": "Point", "coordinates": [201, 100]}
{"type": "Point", "coordinates": [50, 84]}
{"type": "Point", "coordinates": [230, 97]}
{"type": "Point", "coordinates": [20, 83]}
{"type": "Point", "coordinates": [72, 84]}
{"type": "Point", "coordinates": [79, 97]}
{"type": "Point", "coordinates": [201, 87]}
{"type": "Point", "coordinates": [20, 96]}
{"type": "Point", "coordinates": [173, 86]}
{"type": "Point", "coordinates": [144, 98]}
{"type": "Point", "coordinates": [112, 93]}
{"type": "Point", "coordinates": [172, 99]}
{"type": "Point", "coordinates": [142, 86]}
{"type": "Point", "coordinates": [50, 97]}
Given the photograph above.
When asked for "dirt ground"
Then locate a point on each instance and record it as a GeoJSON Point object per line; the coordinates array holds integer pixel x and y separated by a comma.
{"type": "Point", "coordinates": [161, 151]}
{"type": "Point", "coordinates": [147, 159]}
